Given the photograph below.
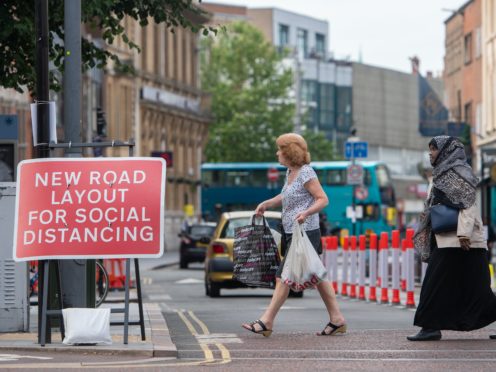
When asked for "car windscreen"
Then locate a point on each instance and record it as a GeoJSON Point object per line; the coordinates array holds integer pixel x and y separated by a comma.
{"type": "Point", "coordinates": [201, 231]}
{"type": "Point", "coordinates": [232, 224]}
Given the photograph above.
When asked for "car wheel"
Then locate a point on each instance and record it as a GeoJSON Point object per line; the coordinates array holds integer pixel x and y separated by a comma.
{"type": "Point", "coordinates": [214, 290]}
{"type": "Point", "coordinates": [207, 288]}
{"type": "Point", "coordinates": [295, 294]}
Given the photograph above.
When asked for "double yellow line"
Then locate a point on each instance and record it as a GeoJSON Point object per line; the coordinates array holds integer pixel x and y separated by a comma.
{"type": "Point", "coordinates": [209, 355]}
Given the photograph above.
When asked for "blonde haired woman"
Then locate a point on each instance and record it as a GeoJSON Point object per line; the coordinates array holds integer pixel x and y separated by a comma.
{"type": "Point", "coordinates": [302, 198]}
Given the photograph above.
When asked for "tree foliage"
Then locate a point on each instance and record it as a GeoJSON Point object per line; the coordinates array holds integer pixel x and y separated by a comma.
{"type": "Point", "coordinates": [249, 89]}
{"type": "Point", "coordinates": [18, 44]}
{"type": "Point", "coordinates": [321, 149]}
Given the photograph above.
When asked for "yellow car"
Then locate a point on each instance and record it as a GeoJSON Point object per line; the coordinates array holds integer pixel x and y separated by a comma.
{"type": "Point", "coordinates": [219, 258]}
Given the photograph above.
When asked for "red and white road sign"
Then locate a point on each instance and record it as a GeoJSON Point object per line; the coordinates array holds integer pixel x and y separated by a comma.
{"type": "Point", "coordinates": [361, 193]}
{"type": "Point", "coordinates": [354, 174]}
{"type": "Point", "coordinates": [89, 208]}
{"type": "Point", "coordinates": [272, 174]}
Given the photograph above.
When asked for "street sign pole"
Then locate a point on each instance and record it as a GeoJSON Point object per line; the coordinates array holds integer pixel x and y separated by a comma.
{"type": "Point", "coordinates": [355, 149]}
{"type": "Point", "coordinates": [353, 203]}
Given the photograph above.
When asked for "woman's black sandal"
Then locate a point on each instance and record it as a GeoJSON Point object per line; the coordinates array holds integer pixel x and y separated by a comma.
{"type": "Point", "coordinates": [335, 329]}
{"type": "Point", "coordinates": [264, 331]}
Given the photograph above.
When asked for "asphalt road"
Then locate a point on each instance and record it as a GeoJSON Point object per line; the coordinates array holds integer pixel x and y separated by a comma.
{"type": "Point", "coordinates": [208, 334]}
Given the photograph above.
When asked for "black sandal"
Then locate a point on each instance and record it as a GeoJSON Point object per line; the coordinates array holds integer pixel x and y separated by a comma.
{"type": "Point", "coordinates": [335, 329]}
{"type": "Point", "coordinates": [264, 331]}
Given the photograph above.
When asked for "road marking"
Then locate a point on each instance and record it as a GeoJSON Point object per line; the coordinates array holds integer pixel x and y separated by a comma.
{"type": "Point", "coordinates": [189, 281]}
{"type": "Point", "coordinates": [147, 280]}
{"type": "Point", "coordinates": [215, 338]}
{"type": "Point", "coordinates": [14, 357]}
{"type": "Point", "coordinates": [159, 297]}
{"type": "Point", "coordinates": [209, 357]}
{"type": "Point", "coordinates": [199, 322]}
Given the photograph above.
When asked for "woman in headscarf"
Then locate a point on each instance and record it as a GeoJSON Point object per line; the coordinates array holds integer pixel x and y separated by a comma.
{"type": "Point", "coordinates": [456, 292]}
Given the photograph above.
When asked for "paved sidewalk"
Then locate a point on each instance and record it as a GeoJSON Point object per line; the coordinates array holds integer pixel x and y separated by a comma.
{"type": "Point", "coordinates": [158, 342]}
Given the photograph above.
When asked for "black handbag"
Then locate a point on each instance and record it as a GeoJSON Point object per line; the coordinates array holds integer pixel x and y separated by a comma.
{"type": "Point", "coordinates": [444, 218]}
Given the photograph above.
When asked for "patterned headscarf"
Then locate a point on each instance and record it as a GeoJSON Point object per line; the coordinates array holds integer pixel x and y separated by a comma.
{"type": "Point", "coordinates": [454, 183]}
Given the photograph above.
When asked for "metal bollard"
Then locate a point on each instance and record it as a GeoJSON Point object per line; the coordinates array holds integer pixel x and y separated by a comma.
{"type": "Point", "coordinates": [344, 280]}
{"type": "Point", "coordinates": [373, 268]}
{"type": "Point", "coordinates": [395, 284]}
{"type": "Point", "coordinates": [383, 253]}
{"type": "Point", "coordinates": [361, 268]}
{"type": "Point", "coordinates": [353, 263]}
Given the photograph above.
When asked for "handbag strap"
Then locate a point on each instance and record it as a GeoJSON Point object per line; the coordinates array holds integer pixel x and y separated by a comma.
{"type": "Point", "coordinates": [253, 220]}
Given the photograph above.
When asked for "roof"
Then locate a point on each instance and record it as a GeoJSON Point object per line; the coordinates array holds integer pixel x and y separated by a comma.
{"type": "Point", "coordinates": [458, 11]}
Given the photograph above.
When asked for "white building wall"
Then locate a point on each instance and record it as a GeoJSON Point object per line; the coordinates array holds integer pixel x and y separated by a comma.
{"type": "Point", "coordinates": [295, 21]}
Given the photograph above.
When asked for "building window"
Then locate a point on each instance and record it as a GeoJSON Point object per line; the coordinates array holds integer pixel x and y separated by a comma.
{"type": "Point", "coordinates": [468, 113]}
{"type": "Point", "coordinates": [468, 48]}
{"type": "Point", "coordinates": [320, 45]}
{"type": "Point", "coordinates": [478, 42]}
{"type": "Point", "coordinates": [283, 35]}
{"type": "Point", "coordinates": [302, 43]}
{"type": "Point", "coordinates": [478, 119]}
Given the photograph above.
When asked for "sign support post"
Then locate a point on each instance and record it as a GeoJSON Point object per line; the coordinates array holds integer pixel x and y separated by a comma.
{"type": "Point", "coordinates": [355, 149]}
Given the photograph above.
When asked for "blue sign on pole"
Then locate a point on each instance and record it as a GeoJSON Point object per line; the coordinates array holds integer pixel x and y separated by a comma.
{"type": "Point", "coordinates": [356, 150]}
{"type": "Point", "coordinates": [8, 127]}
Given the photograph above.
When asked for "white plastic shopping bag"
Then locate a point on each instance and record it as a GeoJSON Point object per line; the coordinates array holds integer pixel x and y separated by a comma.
{"type": "Point", "coordinates": [303, 268]}
{"type": "Point", "coordinates": [86, 326]}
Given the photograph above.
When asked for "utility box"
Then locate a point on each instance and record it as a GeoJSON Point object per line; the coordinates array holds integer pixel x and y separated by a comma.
{"type": "Point", "coordinates": [14, 276]}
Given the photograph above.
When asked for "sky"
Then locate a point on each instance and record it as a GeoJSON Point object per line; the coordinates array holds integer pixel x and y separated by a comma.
{"type": "Point", "coordinates": [384, 32]}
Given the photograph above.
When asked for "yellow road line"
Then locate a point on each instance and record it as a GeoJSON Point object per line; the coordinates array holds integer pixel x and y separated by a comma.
{"type": "Point", "coordinates": [209, 355]}
{"type": "Point", "coordinates": [226, 355]}
{"type": "Point", "coordinates": [199, 322]}
{"type": "Point", "coordinates": [187, 322]}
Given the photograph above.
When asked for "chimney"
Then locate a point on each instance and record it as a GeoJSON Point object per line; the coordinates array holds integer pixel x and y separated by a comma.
{"type": "Point", "coordinates": [415, 65]}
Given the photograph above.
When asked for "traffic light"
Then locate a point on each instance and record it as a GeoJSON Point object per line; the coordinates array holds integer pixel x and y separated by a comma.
{"type": "Point", "coordinates": [101, 122]}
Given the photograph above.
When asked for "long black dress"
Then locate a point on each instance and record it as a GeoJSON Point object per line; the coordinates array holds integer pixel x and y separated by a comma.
{"type": "Point", "coordinates": [456, 293]}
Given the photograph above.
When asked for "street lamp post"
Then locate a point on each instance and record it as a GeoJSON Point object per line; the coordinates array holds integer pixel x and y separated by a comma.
{"type": "Point", "coordinates": [43, 119]}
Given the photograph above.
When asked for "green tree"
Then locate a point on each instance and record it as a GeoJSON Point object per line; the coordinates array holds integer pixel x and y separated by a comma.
{"type": "Point", "coordinates": [249, 88]}
{"type": "Point", "coordinates": [321, 149]}
{"type": "Point", "coordinates": [18, 44]}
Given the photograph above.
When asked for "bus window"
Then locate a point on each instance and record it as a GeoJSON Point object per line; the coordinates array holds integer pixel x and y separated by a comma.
{"type": "Point", "coordinates": [385, 186]}
{"type": "Point", "coordinates": [259, 178]}
{"type": "Point", "coordinates": [336, 177]}
{"type": "Point", "coordinates": [212, 178]}
{"type": "Point", "coordinates": [321, 175]}
{"type": "Point", "coordinates": [237, 178]}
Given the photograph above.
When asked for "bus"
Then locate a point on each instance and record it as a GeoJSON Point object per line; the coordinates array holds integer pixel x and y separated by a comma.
{"type": "Point", "coordinates": [242, 186]}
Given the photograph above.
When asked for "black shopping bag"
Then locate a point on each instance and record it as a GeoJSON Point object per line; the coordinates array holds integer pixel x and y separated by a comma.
{"type": "Point", "coordinates": [256, 258]}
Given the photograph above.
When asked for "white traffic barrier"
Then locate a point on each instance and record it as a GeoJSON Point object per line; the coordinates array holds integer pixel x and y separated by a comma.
{"type": "Point", "coordinates": [344, 279]}
{"type": "Point", "coordinates": [353, 266]}
{"type": "Point", "coordinates": [383, 267]}
{"type": "Point", "coordinates": [395, 281]}
{"type": "Point", "coordinates": [361, 268]}
{"type": "Point", "coordinates": [334, 258]}
{"type": "Point", "coordinates": [410, 278]}
{"type": "Point", "coordinates": [373, 268]}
